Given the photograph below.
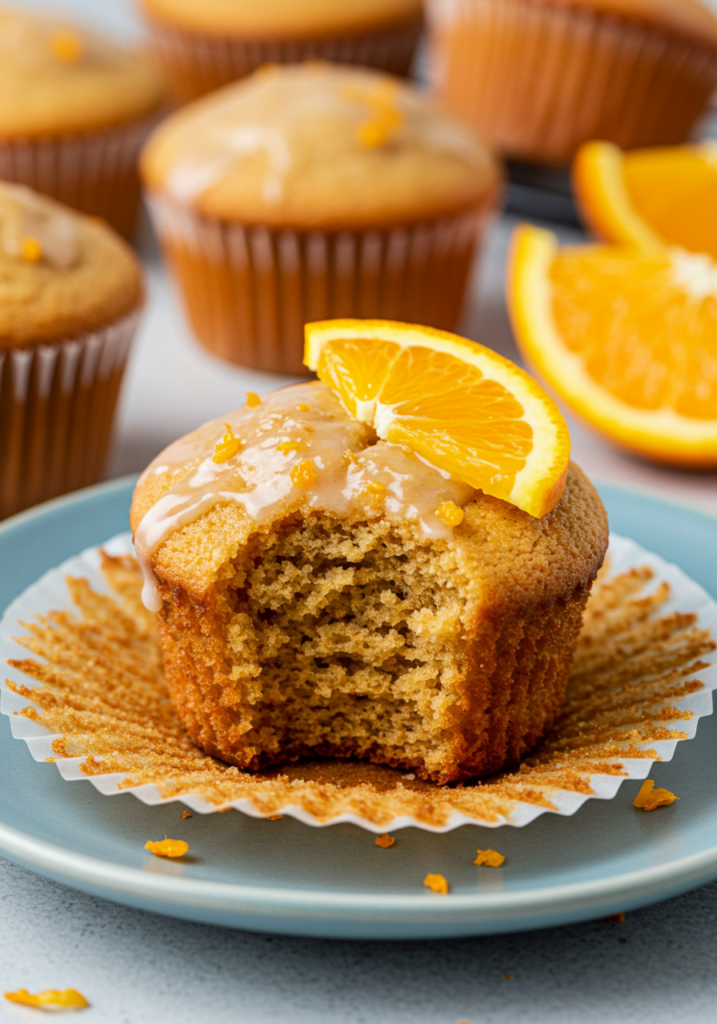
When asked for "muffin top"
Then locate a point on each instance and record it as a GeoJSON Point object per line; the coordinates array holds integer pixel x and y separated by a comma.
{"type": "Point", "coordinates": [319, 145]}
{"type": "Point", "coordinates": [282, 18]}
{"type": "Point", "coordinates": [56, 77]}
{"type": "Point", "coordinates": [62, 274]}
{"type": "Point", "coordinates": [298, 451]}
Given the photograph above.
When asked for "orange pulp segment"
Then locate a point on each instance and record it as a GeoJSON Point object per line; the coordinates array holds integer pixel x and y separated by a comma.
{"type": "Point", "coordinates": [628, 338]}
{"type": "Point", "coordinates": [459, 405]}
{"type": "Point", "coordinates": [650, 197]}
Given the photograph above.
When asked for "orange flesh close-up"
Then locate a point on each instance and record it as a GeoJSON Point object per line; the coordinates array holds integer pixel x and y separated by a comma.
{"type": "Point", "coordinates": [643, 336]}
{"type": "Point", "coordinates": [445, 409]}
{"type": "Point", "coordinates": [674, 189]}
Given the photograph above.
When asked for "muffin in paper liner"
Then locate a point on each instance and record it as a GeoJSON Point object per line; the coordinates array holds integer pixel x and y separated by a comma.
{"type": "Point", "coordinates": [249, 290]}
{"type": "Point", "coordinates": [57, 405]}
{"type": "Point", "coordinates": [96, 705]}
{"type": "Point", "coordinates": [539, 79]}
{"type": "Point", "coordinates": [94, 172]}
{"type": "Point", "coordinates": [195, 63]}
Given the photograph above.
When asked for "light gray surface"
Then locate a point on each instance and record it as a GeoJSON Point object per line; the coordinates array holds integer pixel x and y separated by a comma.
{"type": "Point", "coordinates": [658, 966]}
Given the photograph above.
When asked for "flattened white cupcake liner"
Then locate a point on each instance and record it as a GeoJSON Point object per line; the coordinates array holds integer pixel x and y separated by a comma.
{"type": "Point", "coordinates": [539, 79]}
{"type": "Point", "coordinates": [94, 171]}
{"type": "Point", "coordinates": [515, 798]}
{"type": "Point", "coordinates": [57, 405]}
{"type": "Point", "coordinates": [195, 64]}
{"type": "Point", "coordinates": [249, 290]}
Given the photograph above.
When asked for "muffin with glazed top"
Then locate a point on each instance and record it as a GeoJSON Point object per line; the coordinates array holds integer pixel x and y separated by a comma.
{"type": "Point", "coordinates": [540, 77]}
{"type": "Point", "coordinates": [74, 111]}
{"type": "Point", "coordinates": [204, 46]}
{"type": "Point", "coordinates": [323, 592]}
{"type": "Point", "coordinates": [70, 296]}
{"type": "Point", "coordinates": [310, 192]}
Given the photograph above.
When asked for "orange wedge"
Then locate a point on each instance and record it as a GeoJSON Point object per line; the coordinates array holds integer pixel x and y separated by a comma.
{"type": "Point", "coordinates": [462, 407]}
{"type": "Point", "coordinates": [650, 197]}
{"type": "Point", "coordinates": [628, 338]}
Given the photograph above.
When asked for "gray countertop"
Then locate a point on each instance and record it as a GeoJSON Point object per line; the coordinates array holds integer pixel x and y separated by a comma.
{"type": "Point", "coordinates": [657, 966]}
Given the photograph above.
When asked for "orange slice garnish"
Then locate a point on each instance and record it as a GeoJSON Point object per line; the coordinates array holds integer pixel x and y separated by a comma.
{"type": "Point", "coordinates": [627, 337]}
{"type": "Point", "coordinates": [459, 405]}
{"type": "Point", "coordinates": [650, 197]}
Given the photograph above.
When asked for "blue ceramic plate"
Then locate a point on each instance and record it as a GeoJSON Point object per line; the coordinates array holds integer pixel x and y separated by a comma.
{"type": "Point", "coordinates": [286, 877]}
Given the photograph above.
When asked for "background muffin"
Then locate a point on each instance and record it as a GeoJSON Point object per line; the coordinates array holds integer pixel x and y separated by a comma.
{"type": "Point", "coordinates": [70, 294]}
{"type": "Point", "coordinates": [203, 46]}
{"type": "Point", "coordinates": [540, 77]}
{"type": "Point", "coordinates": [311, 192]}
{"type": "Point", "coordinates": [74, 111]}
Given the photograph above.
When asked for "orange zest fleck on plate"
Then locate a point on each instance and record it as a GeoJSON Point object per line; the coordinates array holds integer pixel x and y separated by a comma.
{"type": "Point", "coordinates": [385, 841]}
{"type": "Point", "coordinates": [436, 883]}
{"type": "Point", "coordinates": [650, 798]}
{"type": "Point", "coordinates": [186, 814]}
{"type": "Point", "coordinates": [461, 406]}
{"type": "Point", "coordinates": [286, 447]}
{"type": "Point", "coordinates": [628, 338]}
{"type": "Point", "coordinates": [489, 858]}
{"type": "Point", "coordinates": [51, 999]}
{"type": "Point", "coordinates": [617, 918]}
{"type": "Point", "coordinates": [167, 848]}
{"type": "Point", "coordinates": [275, 817]}
{"type": "Point", "coordinates": [650, 198]}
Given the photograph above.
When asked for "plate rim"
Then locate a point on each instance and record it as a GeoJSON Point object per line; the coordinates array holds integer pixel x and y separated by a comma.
{"type": "Point", "coordinates": [518, 909]}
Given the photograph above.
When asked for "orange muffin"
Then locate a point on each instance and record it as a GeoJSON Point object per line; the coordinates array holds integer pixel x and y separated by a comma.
{"type": "Point", "coordinates": [204, 46]}
{"type": "Point", "coordinates": [311, 192]}
{"type": "Point", "coordinates": [70, 296]}
{"type": "Point", "coordinates": [74, 111]}
{"type": "Point", "coordinates": [540, 77]}
{"type": "Point", "coordinates": [331, 611]}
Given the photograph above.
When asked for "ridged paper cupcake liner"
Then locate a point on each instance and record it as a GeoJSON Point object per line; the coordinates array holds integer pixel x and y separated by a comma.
{"type": "Point", "coordinates": [57, 405]}
{"type": "Point", "coordinates": [643, 676]}
{"type": "Point", "coordinates": [195, 64]}
{"type": "Point", "coordinates": [249, 291]}
{"type": "Point", "coordinates": [538, 79]}
{"type": "Point", "coordinates": [94, 172]}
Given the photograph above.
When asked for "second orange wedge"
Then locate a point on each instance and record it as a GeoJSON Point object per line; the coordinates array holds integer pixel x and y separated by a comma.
{"type": "Point", "coordinates": [459, 405]}
{"type": "Point", "coordinates": [651, 198]}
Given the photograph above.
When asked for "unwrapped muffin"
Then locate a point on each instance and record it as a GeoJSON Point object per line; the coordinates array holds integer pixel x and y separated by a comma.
{"type": "Point", "coordinates": [203, 46]}
{"type": "Point", "coordinates": [70, 297]}
{"type": "Point", "coordinates": [75, 109]}
{"type": "Point", "coordinates": [324, 606]}
{"type": "Point", "coordinates": [311, 192]}
{"type": "Point", "coordinates": [540, 77]}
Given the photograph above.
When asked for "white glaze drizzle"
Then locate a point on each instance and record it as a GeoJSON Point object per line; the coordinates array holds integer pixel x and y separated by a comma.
{"type": "Point", "coordinates": [259, 476]}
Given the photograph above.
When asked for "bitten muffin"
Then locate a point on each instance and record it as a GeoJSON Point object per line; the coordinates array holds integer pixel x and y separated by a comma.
{"type": "Point", "coordinates": [540, 77]}
{"type": "Point", "coordinates": [313, 192]}
{"type": "Point", "coordinates": [203, 46]}
{"type": "Point", "coordinates": [70, 296]}
{"type": "Point", "coordinates": [299, 616]}
{"type": "Point", "coordinates": [74, 111]}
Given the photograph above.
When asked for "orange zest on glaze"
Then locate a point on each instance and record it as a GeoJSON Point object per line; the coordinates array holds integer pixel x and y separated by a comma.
{"type": "Point", "coordinates": [228, 447]}
{"type": "Point", "coordinates": [386, 117]}
{"type": "Point", "coordinates": [450, 514]}
{"type": "Point", "coordinates": [303, 407]}
{"type": "Point", "coordinates": [168, 848]}
{"type": "Point", "coordinates": [286, 447]}
{"type": "Point", "coordinates": [52, 998]}
{"type": "Point", "coordinates": [303, 473]}
{"type": "Point", "coordinates": [31, 250]}
{"type": "Point", "coordinates": [489, 858]}
{"type": "Point", "coordinates": [649, 798]}
{"type": "Point", "coordinates": [385, 841]}
{"type": "Point", "coordinates": [252, 399]}
{"type": "Point", "coordinates": [437, 883]}
{"type": "Point", "coordinates": [67, 46]}
{"type": "Point", "coordinates": [375, 492]}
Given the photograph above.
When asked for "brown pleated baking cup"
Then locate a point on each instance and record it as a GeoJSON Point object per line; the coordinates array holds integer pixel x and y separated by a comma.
{"type": "Point", "coordinates": [94, 172]}
{"type": "Point", "coordinates": [248, 291]}
{"type": "Point", "coordinates": [195, 64]}
{"type": "Point", "coordinates": [539, 79]}
{"type": "Point", "coordinates": [57, 405]}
